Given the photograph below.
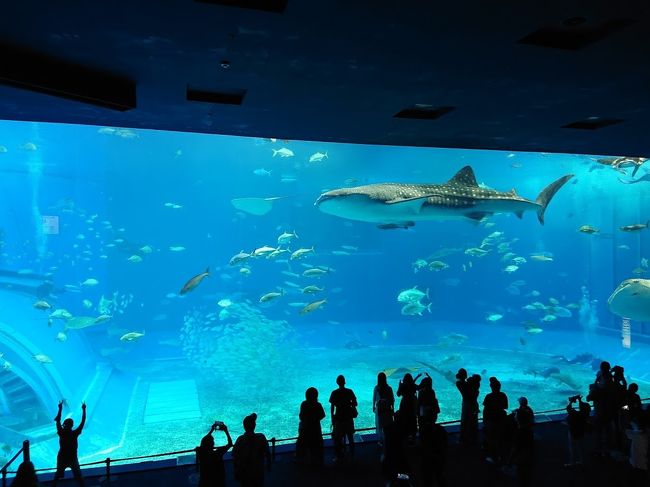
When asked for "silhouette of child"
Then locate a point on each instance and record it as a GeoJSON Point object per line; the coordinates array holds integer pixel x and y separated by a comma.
{"type": "Point", "coordinates": [211, 469]}
{"type": "Point", "coordinates": [68, 444]}
{"type": "Point", "coordinates": [310, 435]}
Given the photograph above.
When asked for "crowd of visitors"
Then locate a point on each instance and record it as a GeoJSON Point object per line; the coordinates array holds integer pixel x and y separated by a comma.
{"type": "Point", "coordinates": [619, 424]}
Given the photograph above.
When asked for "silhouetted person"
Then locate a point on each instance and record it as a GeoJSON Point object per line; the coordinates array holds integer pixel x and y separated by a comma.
{"type": "Point", "coordinates": [25, 476]}
{"type": "Point", "coordinates": [383, 405]}
{"type": "Point", "coordinates": [249, 453]}
{"type": "Point", "coordinates": [619, 414]}
{"type": "Point", "coordinates": [343, 410]}
{"type": "Point", "coordinates": [469, 390]}
{"type": "Point", "coordinates": [310, 435]}
{"type": "Point", "coordinates": [523, 449]}
{"type": "Point", "coordinates": [601, 392]}
{"type": "Point", "coordinates": [407, 390]}
{"type": "Point", "coordinates": [494, 421]}
{"type": "Point", "coordinates": [428, 407]}
{"type": "Point", "coordinates": [577, 421]}
{"type": "Point", "coordinates": [394, 460]}
{"type": "Point", "coordinates": [434, 444]}
{"type": "Point", "coordinates": [633, 402]}
{"type": "Point", "coordinates": [212, 472]}
{"type": "Point", "coordinates": [68, 444]}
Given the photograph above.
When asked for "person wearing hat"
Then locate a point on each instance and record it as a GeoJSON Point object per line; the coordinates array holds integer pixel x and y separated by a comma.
{"type": "Point", "coordinates": [68, 444]}
{"type": "Point", "coordinates": [249, 453]}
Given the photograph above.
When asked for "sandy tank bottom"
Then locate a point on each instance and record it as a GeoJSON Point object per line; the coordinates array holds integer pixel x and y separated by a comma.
{"type": "Point", "coordinates": [275, 395]}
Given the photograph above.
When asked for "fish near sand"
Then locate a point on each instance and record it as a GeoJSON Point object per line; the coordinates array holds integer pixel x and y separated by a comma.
{"type": "Point", "coordinates": [401, 204]}
{"type": "Point", "coordinates": [194, 282]}
{"type": "Point", "coordinates": [582, 359]}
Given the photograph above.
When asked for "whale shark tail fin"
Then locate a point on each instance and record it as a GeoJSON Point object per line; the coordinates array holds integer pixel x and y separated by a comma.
{"type": "Point", "coordinates": [547, 194]}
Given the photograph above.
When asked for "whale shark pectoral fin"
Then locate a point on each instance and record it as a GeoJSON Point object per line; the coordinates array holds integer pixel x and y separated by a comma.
{"type": "Point", "coordinates": [412, 205]}
{"type": "Point", "coordinates": [395, 226]}
{"type": "Point", "coordinates": [636, 168]}
{"type": "Point", "coordinates": [477, 215]}
{"type": "Point", "coordinates": [547, 194]}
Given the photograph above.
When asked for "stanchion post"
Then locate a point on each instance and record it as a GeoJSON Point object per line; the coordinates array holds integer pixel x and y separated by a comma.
{"type": "Point", "coordinates": [108, 469]}
{"type": "Point", "coordinates": [26, 451]}
{"type": "Point", "coordinates": [273, 440]}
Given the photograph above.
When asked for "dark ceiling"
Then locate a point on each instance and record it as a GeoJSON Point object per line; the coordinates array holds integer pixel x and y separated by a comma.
{"type": "Point", "coordinates": [553, 76]}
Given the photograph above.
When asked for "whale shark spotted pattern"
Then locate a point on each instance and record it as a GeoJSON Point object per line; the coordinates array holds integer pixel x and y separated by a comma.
{"type": "Point", "coordinates": [400, 205]}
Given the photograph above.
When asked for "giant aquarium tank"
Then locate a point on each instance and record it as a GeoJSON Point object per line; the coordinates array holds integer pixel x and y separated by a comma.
{"type": "Point", "coordinates": [172, 279]}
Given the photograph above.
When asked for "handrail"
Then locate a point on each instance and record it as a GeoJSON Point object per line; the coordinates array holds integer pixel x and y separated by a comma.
{"type": "Point", "coordinates": [108, 461]}
{"type": "Point", "coordinates": [24, 449]}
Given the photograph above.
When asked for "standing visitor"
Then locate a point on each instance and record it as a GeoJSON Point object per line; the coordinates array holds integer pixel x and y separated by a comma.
{"type": "Point", "coordinates": [383, 404]}
{"type": "Point", "coordinates": [343, 410]}
{"type": "Point", "coordinates": [469, 391]}
{"type": "Point", "coordinates": [310, 435]}
{"type": "Point", "coordinates": [407, 390]}
{"type": "Point", "coordinates": [495, 405]}
{"type": "Point", "coordinates": [250, 451]}
{"type": "Point", "coordinates": [212, 472]}
{"type": "Point", "coordinates": [68, 444]}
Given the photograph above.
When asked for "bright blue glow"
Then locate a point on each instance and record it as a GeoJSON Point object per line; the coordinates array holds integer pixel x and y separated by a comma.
{"type": "Point", "coordinates": [142, 212]}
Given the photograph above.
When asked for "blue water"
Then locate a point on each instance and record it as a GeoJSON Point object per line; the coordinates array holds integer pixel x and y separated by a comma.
{"type": "Point", "coordinates": [123, 198]}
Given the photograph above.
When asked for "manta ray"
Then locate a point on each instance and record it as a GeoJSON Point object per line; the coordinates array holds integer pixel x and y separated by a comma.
{"type": "Point", "coordinates": [400, 205]}
{"type": "Point", "coordinates": [621, 163]}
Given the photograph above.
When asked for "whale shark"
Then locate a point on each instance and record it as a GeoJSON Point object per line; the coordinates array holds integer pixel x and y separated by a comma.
{"type": "Point", "coordinates": [400, 205]}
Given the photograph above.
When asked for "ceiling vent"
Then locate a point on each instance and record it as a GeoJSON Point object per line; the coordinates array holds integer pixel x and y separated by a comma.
{"type": "Point", "coordinates": [276, 6]}
{"type": "Point", "coordinates": [592, 123]}
{"type": "Point", "coordinates": [33, 71]}
{"type": "Point", "coordinates": [423, 112]}
{"type": "Point", "coordinates": [229, 97]}
{"type": "Point", "coordinates": [574, 33]}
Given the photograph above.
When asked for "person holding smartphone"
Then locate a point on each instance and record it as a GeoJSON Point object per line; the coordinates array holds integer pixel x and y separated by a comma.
{"type": "Point", "coordinates": [212, 472]}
